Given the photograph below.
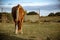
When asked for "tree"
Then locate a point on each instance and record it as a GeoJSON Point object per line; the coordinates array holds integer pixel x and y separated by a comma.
{"type": "Point", "coordinates": [57, 14]}
{"type": "Point", "coordinates": [32, 13]}
{"type": "Point", "coordinates": [51, 14]}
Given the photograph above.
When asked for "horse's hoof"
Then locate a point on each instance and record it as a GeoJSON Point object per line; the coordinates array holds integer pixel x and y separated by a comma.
{"type": "Point", "coordinates": [16, 32]}
{"type": "Point", "coordinates": [20, 32]}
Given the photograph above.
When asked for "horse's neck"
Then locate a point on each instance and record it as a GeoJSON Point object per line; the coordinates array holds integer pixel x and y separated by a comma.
{"type": "Point", "coordinates": [17, 14]}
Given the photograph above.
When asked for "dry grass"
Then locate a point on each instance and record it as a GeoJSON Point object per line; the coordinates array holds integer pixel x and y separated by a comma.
{"type": "Point", "coordinates": [32, 31]}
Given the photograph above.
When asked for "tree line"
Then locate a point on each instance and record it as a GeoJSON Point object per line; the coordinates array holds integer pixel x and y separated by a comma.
{"type": "Point", "coordinates": [9, 16]}
{"type": "Point", "coordinates": [54, 14]}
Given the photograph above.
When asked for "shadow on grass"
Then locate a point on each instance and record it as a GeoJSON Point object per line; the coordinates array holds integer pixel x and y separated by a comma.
{"type": "Point", "coordinates": [55, 36]}
{"type": "Point", "coordinates": [4, 36]}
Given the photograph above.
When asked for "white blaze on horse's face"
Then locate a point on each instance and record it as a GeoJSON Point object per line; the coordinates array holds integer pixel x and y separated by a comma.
{"type": "Point", "coordinates": [17, 12]}
{"type": "Point", "coordinates": [17, 15]}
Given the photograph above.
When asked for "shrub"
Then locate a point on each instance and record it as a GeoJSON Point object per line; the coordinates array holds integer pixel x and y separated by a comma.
{"type": "Point", "coordinates": [57, 14]}
{"type": "Point", "coordinates": [32, 13]}
{"type": "Point", "coordinates": [51, 14]}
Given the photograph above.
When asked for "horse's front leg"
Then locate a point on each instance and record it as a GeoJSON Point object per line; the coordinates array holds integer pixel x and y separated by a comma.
{"type": "Point", "coordinates": [16, 28]}
{"type": "Point", "coordinates": [20, 27]}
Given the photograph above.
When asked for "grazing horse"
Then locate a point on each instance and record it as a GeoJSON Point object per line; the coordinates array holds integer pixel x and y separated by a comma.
{"type": "Point", "coordinates": [18, 16]}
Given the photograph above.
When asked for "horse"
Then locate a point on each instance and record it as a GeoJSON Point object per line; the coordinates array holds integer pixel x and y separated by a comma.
{"type": "Point", "coordinates": [18, 17]}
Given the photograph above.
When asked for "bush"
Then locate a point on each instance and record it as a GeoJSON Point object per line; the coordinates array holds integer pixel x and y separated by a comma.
{"type": "Point", "coordinates": [51, 14]}
{"type": "Point", "coordinates": [32, 13]}
{"type": "Point", "coordinates": [8, 15]}
{"type": "Point", "coordinates": [57, 14]}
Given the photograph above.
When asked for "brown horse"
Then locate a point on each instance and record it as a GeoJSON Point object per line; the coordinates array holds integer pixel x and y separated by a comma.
{"type": "Point", "coordinates": [18, 16]}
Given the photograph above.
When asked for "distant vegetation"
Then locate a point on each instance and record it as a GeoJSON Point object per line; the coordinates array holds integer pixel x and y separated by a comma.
{"type": "Point", "coordinates": [32, 13]}
{"type": "Point", "coordinates": [51, 14]}
{"type": "Point", "coordinates": [8, 15]}
{"type": "Point", "coordinates": [54, 14]}
{"type": "Point", "coordinates": [57, 14]}
{"type": "Point", "coordinates": [52, 17]}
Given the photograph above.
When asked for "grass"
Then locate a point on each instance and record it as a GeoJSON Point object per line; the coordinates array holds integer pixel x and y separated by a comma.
{"type": "Point", "coordinates": [50, 19]}
{"type": "Point", "coordinates": [31, 31]}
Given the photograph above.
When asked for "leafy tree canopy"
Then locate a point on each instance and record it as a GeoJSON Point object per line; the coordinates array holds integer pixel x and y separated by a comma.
{"type": "Point", "coordinates": [32, 13]}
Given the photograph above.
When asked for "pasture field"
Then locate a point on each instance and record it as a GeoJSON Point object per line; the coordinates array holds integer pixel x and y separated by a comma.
{"type": "Point", "coordinates": [31, 31]}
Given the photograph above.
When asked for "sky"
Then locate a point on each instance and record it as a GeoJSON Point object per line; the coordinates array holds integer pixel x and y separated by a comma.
{"type": "Point", "coordinates": [29, 2]}
{"type": "Point", "coordinates": [33, 3]}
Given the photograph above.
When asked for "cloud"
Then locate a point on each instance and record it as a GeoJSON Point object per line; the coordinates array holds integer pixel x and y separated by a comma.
{"type": "Point", "coordinates": [38, 3]}
{"type": "Point", "coordinates": [34, 4]}
{"type": "Point", "coordinates": [1, 3]}
{"type": "Point", "coordinates": [25, 4]}
{"type": "Point", "coordinates": [9, 4]}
